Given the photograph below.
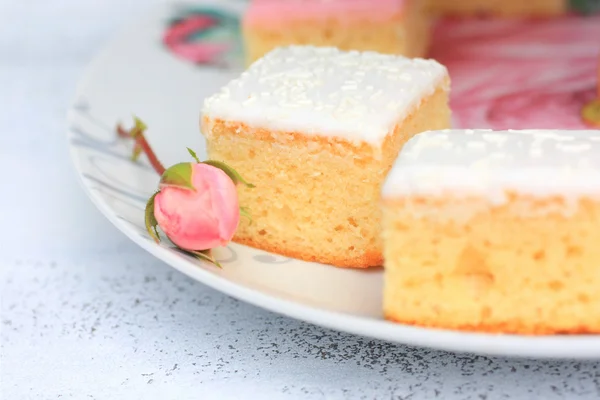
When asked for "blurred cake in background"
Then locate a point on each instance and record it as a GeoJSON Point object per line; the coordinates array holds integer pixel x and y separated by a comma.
{"type": "Point", "coordinates": [498, 7]}
{"type": "Point", "coordinates": [512, 7]}
{"type": "Point", "coordinates": [386, 26]}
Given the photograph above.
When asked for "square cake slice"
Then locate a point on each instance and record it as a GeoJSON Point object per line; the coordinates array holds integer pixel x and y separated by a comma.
{"type": "Point", "coordinates": [316, 130]}
{"type": "Point", "coordinates": [495, 232]}
{"type": "Point", "coordinates": [390, 26]}
{"type": "Point", "coordinates": [508, 8]}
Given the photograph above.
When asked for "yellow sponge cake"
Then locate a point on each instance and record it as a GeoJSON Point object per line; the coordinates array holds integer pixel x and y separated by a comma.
{"type": "Point", "coordinates": [316, 130]}
{"type": "Point", "coordinates": [508, 8]}
{"type": "Point", "coordinates": [390, 26]}
{"type": "Point", "coordinates": [495, 232]}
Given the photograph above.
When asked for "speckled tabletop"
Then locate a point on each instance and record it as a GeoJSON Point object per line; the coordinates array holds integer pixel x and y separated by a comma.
{"type": "Point", "coordinates": [87, 314]}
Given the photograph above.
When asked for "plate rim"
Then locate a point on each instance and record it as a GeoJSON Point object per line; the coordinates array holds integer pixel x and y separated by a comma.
{"type": "Point", "coordinates": [581, 347]}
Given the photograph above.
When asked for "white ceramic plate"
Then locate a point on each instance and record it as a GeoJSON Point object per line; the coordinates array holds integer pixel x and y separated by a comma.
{"type": "Point", "coordinates": [147, 71]}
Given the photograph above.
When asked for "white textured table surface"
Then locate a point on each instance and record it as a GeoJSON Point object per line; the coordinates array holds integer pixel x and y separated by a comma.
{"type": "Point", "coordinates": [87, 314]}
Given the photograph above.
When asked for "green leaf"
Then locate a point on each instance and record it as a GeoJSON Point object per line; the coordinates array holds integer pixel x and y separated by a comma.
{"type": "Point", "coordinates": [178, 175]}
{"type": "Point", "coordinates": [205, 255]}
{"type": "Point", "coordinates": [232, 173]}
{"type": "Point", "coordinates": [244, 212]}
{"type": "Point", "coordinates": [150, 220]}
{"type": "Point", "coordinates": [193, 154]}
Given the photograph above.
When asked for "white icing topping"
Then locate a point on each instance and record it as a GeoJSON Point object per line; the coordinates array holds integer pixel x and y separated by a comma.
{"type": "Point", "coordinates": [490, 163]}
{"type": "Point", "coordinates": [359, 96]}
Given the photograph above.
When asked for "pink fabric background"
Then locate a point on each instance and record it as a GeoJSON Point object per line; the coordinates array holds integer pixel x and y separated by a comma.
{"type": "Point", "coordinates": [520, 74]}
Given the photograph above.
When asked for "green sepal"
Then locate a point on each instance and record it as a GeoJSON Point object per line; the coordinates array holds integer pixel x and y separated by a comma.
{"type": "Point", "coordinates": [205, 255]}
{"type": "Point", "coordinates": [193, 154]}
{"type": "Point", "coordinates": [179, 176]}
{"type": "Point", "coordinates": [140, 126]}
{"type": "Point", "coordinates": [137, 151]}
{"type": "Point", "coordinates": [232, 173]}
{"type": "Point", "coordinates": [150, 219]}
{"type": "Point", "coordinates": [244, 212]}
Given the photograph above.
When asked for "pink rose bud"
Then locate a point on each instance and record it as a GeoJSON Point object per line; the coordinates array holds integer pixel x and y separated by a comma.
{"type": "Point", "coordinates": [197, 206]}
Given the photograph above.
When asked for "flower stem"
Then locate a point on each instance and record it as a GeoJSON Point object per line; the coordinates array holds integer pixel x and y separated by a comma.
{"type": "Point", "coordinates": [141, 144]}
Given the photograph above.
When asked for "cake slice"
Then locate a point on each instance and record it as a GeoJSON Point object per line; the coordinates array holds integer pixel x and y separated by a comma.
{"type": "Point", "coordinates": [510, 8]}
{"type": "Point", "coordinates": [390, 26]}
{"type": "Point", "coordinates": [495, 232]}
{"type": "Point", "coordinates": [316, 130]}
